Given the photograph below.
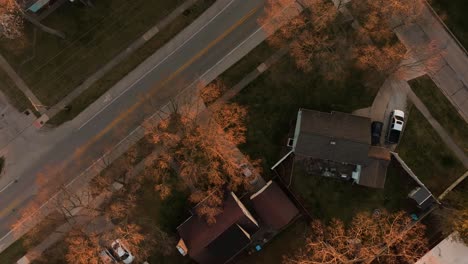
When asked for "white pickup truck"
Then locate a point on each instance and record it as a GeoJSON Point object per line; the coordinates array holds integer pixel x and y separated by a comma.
{"type": "Point", "coordinates": [395, 127]}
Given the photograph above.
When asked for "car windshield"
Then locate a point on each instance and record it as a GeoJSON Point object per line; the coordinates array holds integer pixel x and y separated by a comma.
{"type": "Point", "coordinates": [399, 118]}
{"type": "Point", "coordinates": [125, 256]}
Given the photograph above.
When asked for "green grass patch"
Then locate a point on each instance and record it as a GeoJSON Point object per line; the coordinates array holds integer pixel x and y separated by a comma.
{"type": "Point", "coordinates": [94, 36]}
{"type": "Point", "coordinates": [247, 64]}
{"type": "Point", "coordinates": [287, 242]}
{"type": "Point", "coordinates": [326, 198]}
{"type": "Point", "coordinates": [426, 154]}
{"type": "Point", "coordinates": [453, 12]}
{"type": "Point", "coordinates": [29, 240]}
{"type": "Point", "coordinates": [126, 66]}
{"type": "Point", "coordinates": [13, 253]}
{"type": "Point", "coordinates": [442, 110]}
{"type": "Point", "coordinates": [14, 95]}
{"type": "Point", "coordinates": [165, 214]}
{"type": "Point", "coordinates": [274, 98]}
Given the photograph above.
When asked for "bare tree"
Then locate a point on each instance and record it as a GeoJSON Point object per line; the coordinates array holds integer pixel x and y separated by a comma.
{"type": "Point", "coordinates": [362, 241]}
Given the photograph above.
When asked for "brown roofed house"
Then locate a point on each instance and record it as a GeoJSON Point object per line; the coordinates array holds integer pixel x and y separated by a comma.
{"type": "Point", "coordinates": [219, 242]}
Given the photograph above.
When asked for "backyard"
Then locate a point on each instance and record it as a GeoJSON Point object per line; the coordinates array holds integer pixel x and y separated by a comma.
{"type": "Point", "coordinates": [425, 153]}
{"type": "Point", "coordinates": [326, 198]}
{"type": "Point", "coordinates": [286, 243]}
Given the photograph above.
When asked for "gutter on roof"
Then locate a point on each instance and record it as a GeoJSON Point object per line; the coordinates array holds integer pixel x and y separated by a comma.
{"type": "Point", "coordinates": [297, 130]}
{"type": "Point", "coordinates": [245, 211]}
{"type": "Point", "coordinates": [261, 190]}
{"type": "Point", "coordinates": [282, 159]}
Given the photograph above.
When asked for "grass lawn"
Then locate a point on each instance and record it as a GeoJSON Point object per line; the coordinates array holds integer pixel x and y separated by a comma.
{"type": "Point", "coordinates": [112, 77]}
{"type": "Point", "coordinates": [287, 242]}
{"type": "Point", "coordinates": [53, 67]}
{"type": "Point", "coordinates": [13, 94]}
{"type": "Point", "coordinates": [274, 98]}
{"type": "Point", "coordinates": [20, 247]}
{"type": "Point", "coordinates": [327, 198]}
{"type": "Point", "coordinates": [13, 253]}
{"type": "Point", "coordinates": [426, 154]}
{"type": "Point", "coordinates": [247, 64]}
{"type": "Point", "coordinates": [453, 12]}
{"type": "Point", "coordinates": [165, 214]}
{"type": "Point", "coordinates": [442, 110]}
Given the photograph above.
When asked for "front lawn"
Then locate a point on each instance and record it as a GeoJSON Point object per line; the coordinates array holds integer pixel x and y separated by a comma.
{"type": "Point", "coordinates": [14, 252]}
{"type": "Point", "coordinates": [442, 110]}
{"type": "Point", "coordinates": [152, 212]}
{"type": "Point", "coordinates": [274, 98]}
{"type": "Point", "coordinates": [453, 12]}
{"type": "Point", "coordinates": [53, 67]}
{"type": "Point", "coordinates": [426, 154]}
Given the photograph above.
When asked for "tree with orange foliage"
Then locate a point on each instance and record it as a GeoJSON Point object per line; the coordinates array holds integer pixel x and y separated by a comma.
{"type": "Point", "coordinates": [11, 23]}
{"type": "Point", "coordinates": [379, 18]}
{"type": "Point", "coordinates": [316, 36]}
{"type": "Point", "coordinates": [369, 238]}
{"type": "Point", "coordinates": [329, 38]}
{"type": "Point", "coordinates": [202, 153]}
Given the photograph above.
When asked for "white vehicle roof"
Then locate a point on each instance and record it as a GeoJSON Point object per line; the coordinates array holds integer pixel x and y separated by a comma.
{"type": "Point", "coordinates": [121, 251]}
{"type": "Point", "coordinates": [399, 113]}
{"type": "Point", "coordinates": [398, 117]}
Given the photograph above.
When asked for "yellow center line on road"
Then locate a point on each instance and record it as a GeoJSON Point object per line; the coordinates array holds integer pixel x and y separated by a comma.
{"type": "Point", "coordinates": [165, 81]}
{"type": "Point", "coordinates": [10, 207]}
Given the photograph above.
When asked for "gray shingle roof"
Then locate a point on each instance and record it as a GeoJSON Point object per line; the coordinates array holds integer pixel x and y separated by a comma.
{"type": "Point", "coordinates": [341, 137]}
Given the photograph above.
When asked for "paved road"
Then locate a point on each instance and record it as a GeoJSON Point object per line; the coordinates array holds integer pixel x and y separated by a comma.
{"type": "Point", "coordinates": [76, 151]}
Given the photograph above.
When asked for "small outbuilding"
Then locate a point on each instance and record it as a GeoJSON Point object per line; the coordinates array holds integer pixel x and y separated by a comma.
{"type": "Point", "coordinates": [422, 196]}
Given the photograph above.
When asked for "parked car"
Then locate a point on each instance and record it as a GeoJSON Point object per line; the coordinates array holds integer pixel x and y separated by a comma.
{"type": "Point", "coordinates": [107, 257]}
{"type": "Point", "coordinates": [376, 132]}
{"type": "Point", "coordinates": [395, 127]}
{"type": "Point", "coordinates": [121, 253]}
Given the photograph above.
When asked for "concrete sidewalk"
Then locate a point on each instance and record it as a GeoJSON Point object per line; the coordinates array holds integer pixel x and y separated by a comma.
{"type": "Point", "coordinates": [20, 84]}
{"type": "Point", "coordinates": [452, 76]}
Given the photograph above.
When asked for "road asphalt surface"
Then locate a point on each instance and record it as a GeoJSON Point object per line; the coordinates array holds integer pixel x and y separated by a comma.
{"type": "Point", "coordinates": [78, 150]}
